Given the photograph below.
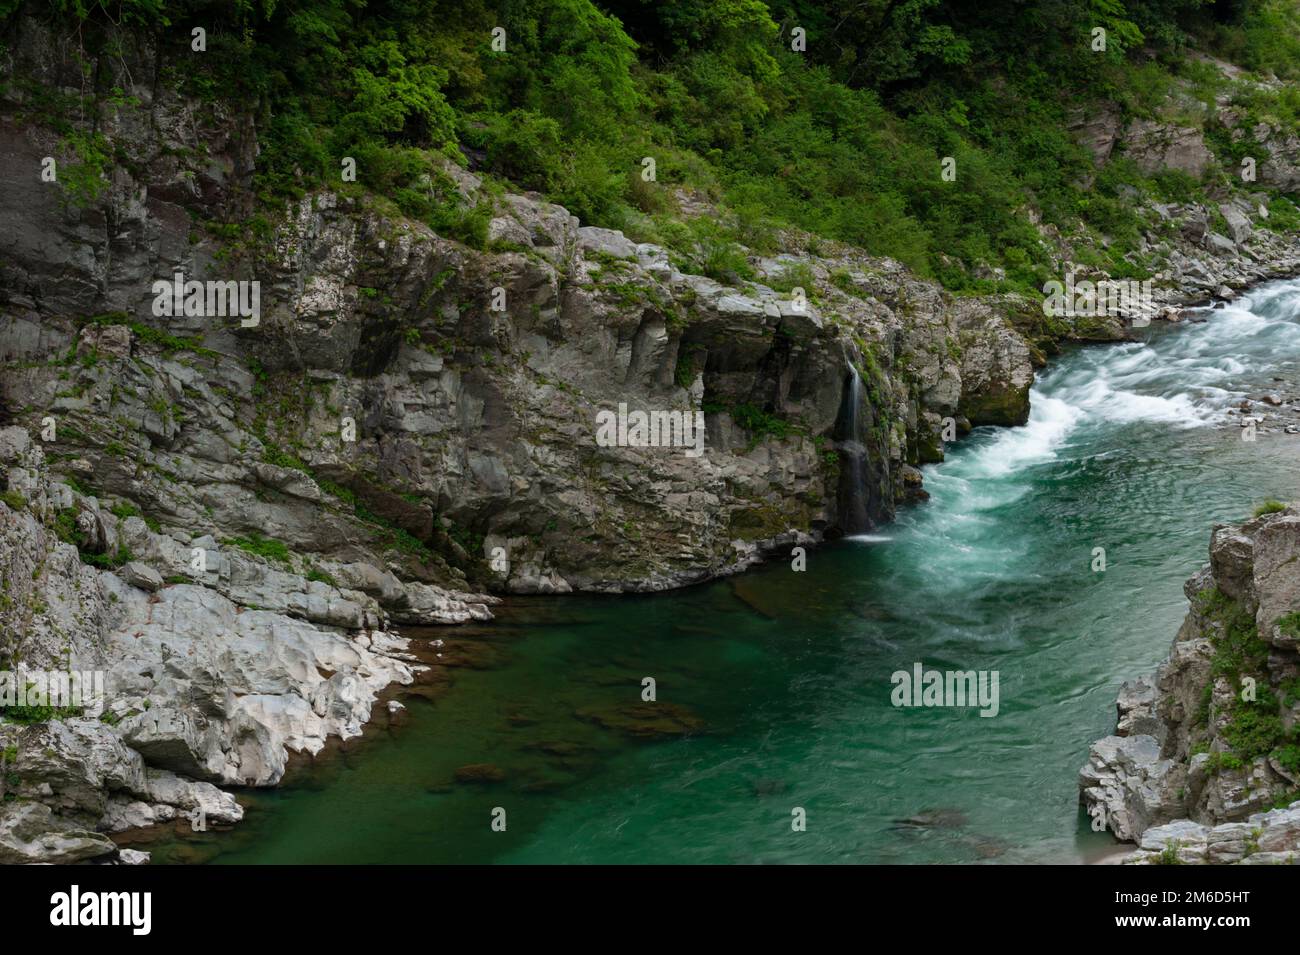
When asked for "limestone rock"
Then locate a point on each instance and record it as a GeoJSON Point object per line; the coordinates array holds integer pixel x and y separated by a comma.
{"type": "Point", "coordinates": [31, 833]}
{"type": "Point", "coordinates": [1172, 780]}
{"type": "Point", "coordinates": [141, 575]}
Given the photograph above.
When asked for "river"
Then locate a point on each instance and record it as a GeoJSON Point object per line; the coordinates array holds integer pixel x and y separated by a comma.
{"type": "Point", "coordinates": [783, 678]}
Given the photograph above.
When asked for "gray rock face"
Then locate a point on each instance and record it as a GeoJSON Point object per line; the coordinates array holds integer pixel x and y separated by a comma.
{"type": "Point", "coordinates": [1219, 244]}
{"type": "Point", "coordinates": [1099, 132]}
{"type": "Point", "coordinates": [199, 689]}
{"type": "Point", "coordinates": [30, 832]}
{"type": "Point", "coordinates": [1281, 169]}
{"type": "Point", "coordinates": [254, 680]}
{"type": "Point", "coordinates": [74, 764]}
{"type": "Point", "coordinates": [1175, 778]}
{"type": "Point", "coordinates": [1266, 838]}
{"type": "Point", "coordinates": [360, 439]}
{"type": "Point", "coordinates": [1155, 147]}
{"type": "Point", "coordinates": [1135, 703]}
{"type": "Point", "coordinates": [1127, 777]}
{"type": "Point", "coordinates": [418, 407]}
{"type": "Point", "coordinates": [605, 242]}
{"type": "Point", "coordinates": [1203, 260]}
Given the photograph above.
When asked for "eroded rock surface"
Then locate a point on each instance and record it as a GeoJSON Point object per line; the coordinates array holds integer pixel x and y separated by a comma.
{"type": "Point", "coordinates": [1205, 765]}
{"type": "Point", "coordinates": [200, 687]}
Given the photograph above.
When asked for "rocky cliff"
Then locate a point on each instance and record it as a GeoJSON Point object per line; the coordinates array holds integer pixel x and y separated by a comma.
{"type": "Point", "coordinates": [228, 512]}
{"type": "Point", "coordinates": [407, 400]}
{"type": "Point", "coordinates": [1205, 760]}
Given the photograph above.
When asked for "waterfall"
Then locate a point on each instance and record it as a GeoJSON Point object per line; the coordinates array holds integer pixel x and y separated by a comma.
{"type": "Point", "coordinates": [854, 512]}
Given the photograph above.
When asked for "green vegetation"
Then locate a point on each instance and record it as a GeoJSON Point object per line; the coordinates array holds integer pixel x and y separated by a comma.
{"type": "Point", "coordinates": [169, 344]}
{"type": "Point", "coordinates": [37, 714]}
{"type": "Point", "coordinates": [1289, 624]}
{"type": "Point", "coordinates": [392, 535]}
{"type": "Point", "coordinates": [685, 371]}
{"type": "Point", "coordinates": [108, 561]}
{"type": "Point", "coordinates": [844, 139]}
{"type": "Point", "coordinates": [267, 547]}
{"type": "Point", "coordinates": [83, 172]}
{"type": "Point", "coordinates": [319, 575]}
{"type": "Point", "coordinates": [14, 499]}
{"type": "Point", "coordinates": [66, 529]}
{"type": "Point", "coordinates": [1254, 727]}
{"type": "Point", "coordinates": [1269, 507]}
{"type": "Point", "coordinates": [795, 276]}
{"type": "Point", "coordinates": [124, 509]}
{"type": "Point", "coordinates": [284, 459]}
{"type": "Point", "coordinates": [1169, 854]}
{"type": "Point", "coordinates": [760, 424]}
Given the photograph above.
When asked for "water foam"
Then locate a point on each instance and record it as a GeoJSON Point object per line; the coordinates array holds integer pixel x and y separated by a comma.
{"type": "Point", "coordinates": [1050, 421]}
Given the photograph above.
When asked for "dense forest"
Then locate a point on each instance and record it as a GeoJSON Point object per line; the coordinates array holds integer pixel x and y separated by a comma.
{"type": "Point", "coordinates": [833, 117]}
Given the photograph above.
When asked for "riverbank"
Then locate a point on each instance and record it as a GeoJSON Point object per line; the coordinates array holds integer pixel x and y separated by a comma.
{"type": "Point", "coordinates": [1205, 760]}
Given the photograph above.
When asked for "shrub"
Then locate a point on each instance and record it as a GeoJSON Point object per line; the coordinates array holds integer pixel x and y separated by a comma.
{"type": "Point", "coordinates": [266, 547]}
{"type": "Point", "coordinates": [795, 275]}
{"type": "Point", "coordinates": [316, 574]}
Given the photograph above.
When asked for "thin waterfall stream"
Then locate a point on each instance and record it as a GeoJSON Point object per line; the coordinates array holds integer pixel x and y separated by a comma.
{"type": "Point", "coordinates": [853, 454]}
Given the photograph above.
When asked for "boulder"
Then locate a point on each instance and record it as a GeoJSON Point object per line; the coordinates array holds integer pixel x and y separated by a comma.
{"type": "Point", "coordinates": [31, 833]}
{"type": "Point", "coordinates": [1238, 223]}
{"type": "Point", "coordinates": [141, 575]}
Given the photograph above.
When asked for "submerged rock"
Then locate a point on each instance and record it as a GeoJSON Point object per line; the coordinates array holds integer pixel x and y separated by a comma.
{"type": "Point", "coordinates": [934, 819]}
{"type": "Point", "coordinates": [480, 773]}
{"type": "Point", "coordinates": [561, 747]}
{"type": "Point", "coordinates": [767, 787]}
{"type": "Point", "coordinates": [472, 654]}
{"type": "Point", "coordinates": [645, 720]}
{"type": "Point", "coordinates": [985, 847]}
{"type": "Point", "coordinates": [758, 596]}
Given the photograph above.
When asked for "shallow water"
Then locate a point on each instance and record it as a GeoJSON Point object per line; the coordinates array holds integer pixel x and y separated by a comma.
{"type": "Point", "coordinates": [788, 673]}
